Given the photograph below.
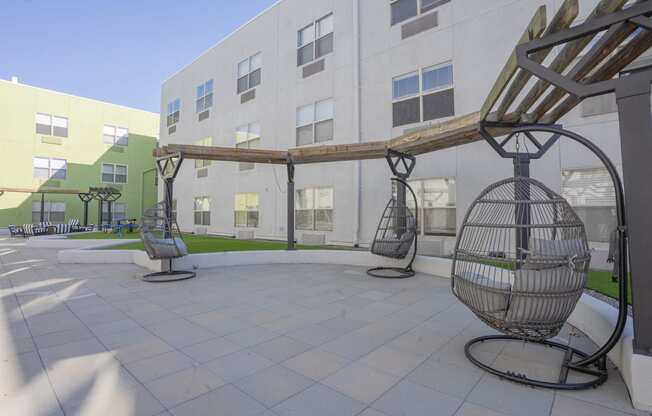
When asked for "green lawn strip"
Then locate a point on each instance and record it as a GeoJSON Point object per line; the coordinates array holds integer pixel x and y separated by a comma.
{"type": "Point", "coordinates": [600, 281]}
{"type": "Point", "coordinates": [102, 236]}
{"type": "Point", "coordinates": [213, 244]}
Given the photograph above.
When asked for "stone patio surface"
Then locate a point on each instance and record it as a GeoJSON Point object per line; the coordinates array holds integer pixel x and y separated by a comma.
{"type": "Point", "coordinates": [309, 340]}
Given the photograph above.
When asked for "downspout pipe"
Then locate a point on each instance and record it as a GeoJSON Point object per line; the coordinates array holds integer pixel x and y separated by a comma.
{"type": "Point", "coordinates": [357, 126]}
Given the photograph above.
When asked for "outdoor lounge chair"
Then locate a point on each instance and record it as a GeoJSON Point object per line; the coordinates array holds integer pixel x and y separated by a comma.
{"type": "Point", "coordinates": [163, 241]}
{"type": "Point", "coordinates": [16, 231]}
{"type": "Point", "coordinates": [531, 290]}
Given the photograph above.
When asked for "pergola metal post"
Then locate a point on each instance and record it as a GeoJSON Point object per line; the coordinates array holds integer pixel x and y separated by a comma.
{"type": "Point", "coordinates": [522, 192]}
{"type": "Point", "coordinates": [42, 207]}
{"type": "Point", "coordinates": [290, 191]}
{"type": "Point", "coordinates": [169, 188]}
{"type": "Point", "coordinates": [633, 98]}
{"type": "Point", "coordinates": [109, 214]}
{"type": "Point", "coordinates": [100, 214]}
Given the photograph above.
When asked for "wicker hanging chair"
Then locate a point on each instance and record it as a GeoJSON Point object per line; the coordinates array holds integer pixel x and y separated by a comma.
{"type": "Point", "coordinates": [397, 232]}
{"type": "Point", "coordinates": [163, 241]}
{"type": "Point", "coordinates": [521, 259]}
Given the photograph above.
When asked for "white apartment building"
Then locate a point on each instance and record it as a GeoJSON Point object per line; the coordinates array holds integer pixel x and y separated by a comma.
{"type": "Point", "coordinates": [312, 72]}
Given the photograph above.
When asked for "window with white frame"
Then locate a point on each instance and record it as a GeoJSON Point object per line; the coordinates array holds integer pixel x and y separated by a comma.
{"type": "Point", "coordinates": [202, 210]}
{"type": "Point", "coordinates": [115, 135]}
{"type": "Point", "coordinates": [437, 205]}
{"type": "Point", "coordinates": [250, 72]}
{"type": "Point", "coordinates": [423, 95]}
{"type": "Point", "coordinates": [591, 194]}
{"type": "Point", "coordinates": [315, 122]}
{"type": "Point", "coordinates": [246, 210]}
{"type": "Point", "coordinates": [50, 168]}
{"type": "Point", "coordinates": [402, 10]}
{"type": "Point", "coordinates": [199, 163]}
{"type": "Point", "coordinates": [118, 211]}
{"type": "Point", "coordinates": [247, 137]}
{"type": "Point", "coordinates": [315, 40]}
{"type": "Point", "coordinates": [314, 209]}
{"type": "Point", "coordinates": [52, 211]}
{"type": "Point", "coordinates": [114, 173]}
{"type": "Point", "coordinates": [50, 125]}
{"type": "Point", "coordinates": [204, 96]}
{"type": "Point", "coordinates": [174, 110]}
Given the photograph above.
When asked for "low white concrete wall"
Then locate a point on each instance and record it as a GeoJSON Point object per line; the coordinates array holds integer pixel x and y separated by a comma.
{"type": "Point", "coordinates": [592, 316]}
{"type": "Point", "coordinates": [61, 242]}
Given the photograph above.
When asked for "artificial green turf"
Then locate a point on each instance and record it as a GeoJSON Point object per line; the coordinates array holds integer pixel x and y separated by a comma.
{"type": "Point", "coordinates": [601, 282]}
{"type": "Point", "coordinates": [102, 236]}
{"type": "Point", "coordinates": [201, 243]}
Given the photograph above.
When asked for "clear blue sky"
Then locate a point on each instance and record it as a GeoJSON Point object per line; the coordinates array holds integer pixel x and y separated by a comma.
{"type": "Point", "coordinates": [118, 51]}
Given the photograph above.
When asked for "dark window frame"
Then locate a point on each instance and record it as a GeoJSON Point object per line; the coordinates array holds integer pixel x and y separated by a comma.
{"type": "Point", "coordinates": [316, 45]}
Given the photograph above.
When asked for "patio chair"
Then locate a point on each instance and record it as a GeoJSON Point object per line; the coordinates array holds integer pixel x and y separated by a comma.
{"type": "Point", "coordinates": [16, 231]}
{"type": "Point", "coordinates": [163, 241]}
{"type": "Point", "coordinates": [530, 290]}
{"type": "Point", "coordinates": [396, 233]}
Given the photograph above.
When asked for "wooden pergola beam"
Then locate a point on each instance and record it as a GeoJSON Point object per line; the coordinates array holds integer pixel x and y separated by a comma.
{"type": "Point", "coordinates": [562, 20]}
{"type": "Point", "coordinates": [227, 154]}
{"type": "Point", "coordinates": [534, 29]}
{"type": "Point", "coordinates": [625, 56]}
{"type": "Point", "coordinates": [564, 58]}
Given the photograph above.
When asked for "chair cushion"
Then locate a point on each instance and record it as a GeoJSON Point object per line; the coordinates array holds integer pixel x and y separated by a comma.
{"type": "Point", "coordinates": [165, 248]}
{"type": "Point", "coordinates": [487, 290]}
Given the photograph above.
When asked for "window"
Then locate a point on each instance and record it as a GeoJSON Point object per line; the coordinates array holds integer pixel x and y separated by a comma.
{"type": "Point", "coordinates": [52, 211]}
{"type": "Point", "coordinates": [315, 122]}
{"type": "Point", "coordinates": [205, 96]}
{"type": "Point", "coordinates": [199, 164]}
{"type": "Point", "coordinates": [590, 192]}
{"type": "Point", "coordinates": [250, 72]}
{"type": "Point", "coordinates": [246, 210]}
{"type": "Point", "coordinates": [118, 211]}
{"type": "Point", "coordinates": [202, 210]}
{"type": "Point", "coordinates": [115, 135]}
{"type": "Point", "coordinates": [50, 125]}
{"type": "Point", "coordinates": [437, 205]}
{"type": "Point", "coordinates": [174, 108]}
{"type": "Point", "coordinates": [314, 209]}
{"type": "Point", "coordinates": [315, 40]}
{"type": "Point", "coordinates": [50, 168]}
{"type": "Point", "coordinates": [113, 173]}
{"type": "Point", "coordinates": [402, 10]}
{"type": "Point", "coordinates": [423, 95]}
{"type": "Point", "coordinates": [247, 137]}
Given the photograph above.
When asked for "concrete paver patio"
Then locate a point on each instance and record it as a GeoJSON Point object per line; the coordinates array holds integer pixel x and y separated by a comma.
{"type": "Point", "coordinates": [257, 340]}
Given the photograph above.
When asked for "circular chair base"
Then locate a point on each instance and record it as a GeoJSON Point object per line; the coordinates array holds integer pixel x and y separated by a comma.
{"type": "Point", "coordinates": [169, 276]}
{"type": "Point", "coordinates": [598, 375]}
{"type": "Point", "coordinates": [390, 272]}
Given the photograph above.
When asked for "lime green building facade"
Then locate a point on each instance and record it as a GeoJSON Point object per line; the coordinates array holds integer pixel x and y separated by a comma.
{"type": "Point", "coordinates": [54, 145]}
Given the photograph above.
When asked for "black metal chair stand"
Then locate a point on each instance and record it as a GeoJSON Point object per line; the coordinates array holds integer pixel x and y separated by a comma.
{"type": "Point", "coordinates": [169, 275]}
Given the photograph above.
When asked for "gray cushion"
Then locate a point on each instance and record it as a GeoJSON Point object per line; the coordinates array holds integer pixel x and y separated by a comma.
{"type": "Point", "coordinates": [487, 292]}
{"type": "Point", "coordinates": [165, 248]}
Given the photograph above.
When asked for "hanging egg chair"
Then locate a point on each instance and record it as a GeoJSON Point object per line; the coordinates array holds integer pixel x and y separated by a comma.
{"type": "Point", "coordinates": [521, 260]}
{"type": "Point", "coordinates": [397, 229]}
{"type": "Point", "coordinates": [163, 241]}
{"type": "Point", "coordinates": [396, 234]}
